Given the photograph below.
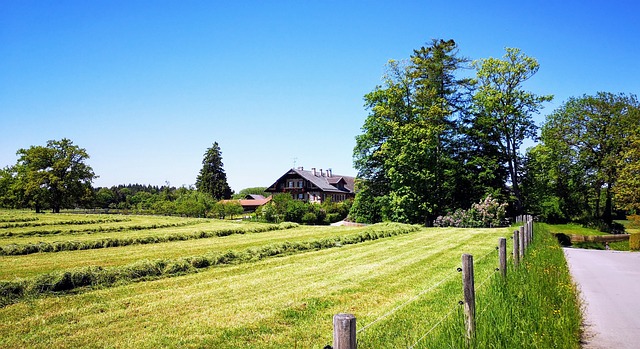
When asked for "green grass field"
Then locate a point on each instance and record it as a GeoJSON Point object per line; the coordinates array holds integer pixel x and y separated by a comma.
{"type": "Point", "coordinates": [285, 301]}
{"type": "Point", "coordinates": [577, 229]}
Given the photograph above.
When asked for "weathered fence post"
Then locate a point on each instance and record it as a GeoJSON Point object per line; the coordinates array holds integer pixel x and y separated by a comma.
{"type": "Point", "coordinates": [344, 331]}
{"type": "Point", "coordinates": [502, 256]}
{"type": "Point", "coordinates": [469, 295]}
{"type": "Point", "coordinates": [527, 241]}
{"type": "Point", "coordinates": [522, 246]}
{"type": "Point", "coordinates": [516, 248]}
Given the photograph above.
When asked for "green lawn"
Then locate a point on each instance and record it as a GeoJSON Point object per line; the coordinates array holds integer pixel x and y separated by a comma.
{"type": "Point", "coordinates": [283, 302]}
{"type": "Point", "coordinates": [577, 229]}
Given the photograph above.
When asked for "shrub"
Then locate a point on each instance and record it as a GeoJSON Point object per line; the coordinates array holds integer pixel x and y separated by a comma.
{"type": "Point", "coordinates": [309, 218]}
{"type": "Point", "coordinates": [634, 242]}
{"type": "Point", "coordinates": [634, 221]}
{"type": "Point", "coordinates": [484, 214]}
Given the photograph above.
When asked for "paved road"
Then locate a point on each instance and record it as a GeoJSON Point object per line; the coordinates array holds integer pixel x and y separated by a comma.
{"type": "Point", "coordinates": [610, 285]}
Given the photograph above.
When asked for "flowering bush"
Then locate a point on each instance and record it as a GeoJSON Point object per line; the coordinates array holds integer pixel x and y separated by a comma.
{"type": "Point", "coordinates": [484, 214]}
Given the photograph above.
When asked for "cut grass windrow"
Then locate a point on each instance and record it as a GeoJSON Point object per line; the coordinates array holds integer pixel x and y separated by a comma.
{"type": "Point", "coordinates": [35, 223]}
{"type": "Point", "coordinates": [101, 229]}
{"type": "Point", "coordinates": [17, 219]}
{"type": "Point", "coordinates": [59, 246]}
{"type": "Point", "coordinates": [73, 279]}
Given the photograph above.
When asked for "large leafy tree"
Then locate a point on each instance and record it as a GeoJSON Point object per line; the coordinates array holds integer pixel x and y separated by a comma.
{"type": "Point", "coordinates": [594, 137]}
{"type": "Point", "coordinates": [406, 155]}
{"type": "Point", "coordinates": [54, 176]}
{"type": "Point", "coordinates": [504, 110]}
{"type": "Point", "coordinates": [212, 179]}
{"type": "Point", "coordinates": [627, 189]}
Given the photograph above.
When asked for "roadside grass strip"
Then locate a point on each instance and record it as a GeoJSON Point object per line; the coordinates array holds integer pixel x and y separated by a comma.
{"type": "Point", "coordinates": [536, 306]}
{"type": "Point", "coordinates": [74, 279]}
{"type": "Point", "coordinates": [59, 246]}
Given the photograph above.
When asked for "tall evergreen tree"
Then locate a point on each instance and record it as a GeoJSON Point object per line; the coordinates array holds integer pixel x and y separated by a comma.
{"type": "Point", "coordinates": [407, 154]}
{"type": "Point", "coordinates": [212, 179]}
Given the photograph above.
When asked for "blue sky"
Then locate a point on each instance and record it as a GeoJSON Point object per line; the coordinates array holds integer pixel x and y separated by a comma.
{"type": "Point", "coordinates": [147, 86]}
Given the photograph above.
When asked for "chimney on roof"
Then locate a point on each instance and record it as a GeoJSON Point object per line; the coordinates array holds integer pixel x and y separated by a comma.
{"type": "Point", "coordinates": [301, 168]}
{"type": "Point", "coordinates": [314, 170]}
{"type": "Point", "coordinates": [329, 172]}
{"type": "Point", "coordinates": [321, 173]}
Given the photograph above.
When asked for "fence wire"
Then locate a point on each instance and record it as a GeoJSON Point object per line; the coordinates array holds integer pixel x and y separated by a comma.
{"type": "Point", "coordinates": [454, 308]}
{"type": "Point", "coordinates": [412, 299]}
{"type": "Point", "coordinates": [407, 302]}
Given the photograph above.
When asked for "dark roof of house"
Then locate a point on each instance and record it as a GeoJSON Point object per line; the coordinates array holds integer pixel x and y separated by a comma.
{"type": "Point", "coordinates": [250, 203]}
{"type": "Point", "coordinates": [253, 197]}
{"type": "Point", "coordinates": [326, 181]}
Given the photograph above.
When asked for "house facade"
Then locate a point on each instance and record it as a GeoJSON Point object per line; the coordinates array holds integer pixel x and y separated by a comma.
{"type": "Point", "coordinates": [250, 202]}
{"type": "Point", "coordinates": [314, 186]}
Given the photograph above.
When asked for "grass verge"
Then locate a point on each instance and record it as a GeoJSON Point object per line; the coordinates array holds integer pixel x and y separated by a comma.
{"type": "Point", "coordinates": [536, 306]}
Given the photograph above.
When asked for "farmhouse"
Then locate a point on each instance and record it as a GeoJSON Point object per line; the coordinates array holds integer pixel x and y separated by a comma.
{"type": "Point", "coordinates": [251, 202]}
{"type": "Point", "coordinates": [314, 186]}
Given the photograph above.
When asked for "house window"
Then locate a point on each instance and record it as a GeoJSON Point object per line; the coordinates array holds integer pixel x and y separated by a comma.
{"type": "Point", "coordinates": [300, 184]}
{"type": "Point", "coordinates": [300, 196]}
{"type": "Point", "coordinates": [290, 184]}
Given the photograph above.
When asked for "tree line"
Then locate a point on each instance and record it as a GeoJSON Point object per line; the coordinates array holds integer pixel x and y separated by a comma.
{"type": "Point", "coordinates": [444, 132]}
{"type": "Point", "coordinates": [56, 176]}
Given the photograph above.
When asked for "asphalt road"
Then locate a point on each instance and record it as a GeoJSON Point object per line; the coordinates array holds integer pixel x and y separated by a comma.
{"type": "Point", "coordinates": [609, 282]}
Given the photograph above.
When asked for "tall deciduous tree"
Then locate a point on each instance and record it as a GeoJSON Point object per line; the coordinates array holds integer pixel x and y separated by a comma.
{"type": "Point", "coordinates": [627, 189]}
{"type": "Point", "coordinates": [212, 179]}
{"type": "Point", "coordinates": [54, 176]}
{"type": "Point", "coordinates": [505, 108]}
{"type": "Point", "coordinates": [591, 133]}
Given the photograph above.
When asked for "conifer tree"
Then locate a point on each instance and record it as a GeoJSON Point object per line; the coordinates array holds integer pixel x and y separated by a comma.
{"type": "Point", "coordinates": [212, 179]}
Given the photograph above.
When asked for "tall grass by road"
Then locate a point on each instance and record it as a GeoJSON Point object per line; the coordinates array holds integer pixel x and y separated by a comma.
{"type": "Point", "coordinates": [536, 306]}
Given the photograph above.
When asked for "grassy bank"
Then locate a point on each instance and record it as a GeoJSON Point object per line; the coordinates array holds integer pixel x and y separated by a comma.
{"type": "Point", "coordinates": [535, 307]}
{"type": "Point", "coordinates": [576, 229]}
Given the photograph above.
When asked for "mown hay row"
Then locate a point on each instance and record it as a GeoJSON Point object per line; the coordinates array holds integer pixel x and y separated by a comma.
{"type": "Point", "coordinates": [12, 219]}
{"type": "Point", "coordinates": [100, 229]}
{"type": "Point", "coordinates": [67, 280]}
{"type": "Point", "coordinates": [59, 246]}
{"type": "Point", "coordinates": [33, 223]}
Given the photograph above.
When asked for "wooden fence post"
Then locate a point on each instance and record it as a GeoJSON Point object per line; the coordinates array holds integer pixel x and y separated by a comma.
{"type": "Point", "coordinates": [516, 248]}
{"type": "Point", "coordinates": [344, 331]}
{"type": "Point", "coordinates": [502, 256]}
{"type": "Point", "coordinates": [469, 295]}
{"type": "Point", "coordinates": [522, 246]}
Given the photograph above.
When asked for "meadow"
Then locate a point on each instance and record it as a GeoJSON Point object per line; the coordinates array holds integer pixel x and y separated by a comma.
{"type": "Point", "coordinates": [277, 287]}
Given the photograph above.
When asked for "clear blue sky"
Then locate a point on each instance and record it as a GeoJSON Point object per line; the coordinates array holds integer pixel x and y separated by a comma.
{"type": "Point", "coordinates": [147, 86]}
